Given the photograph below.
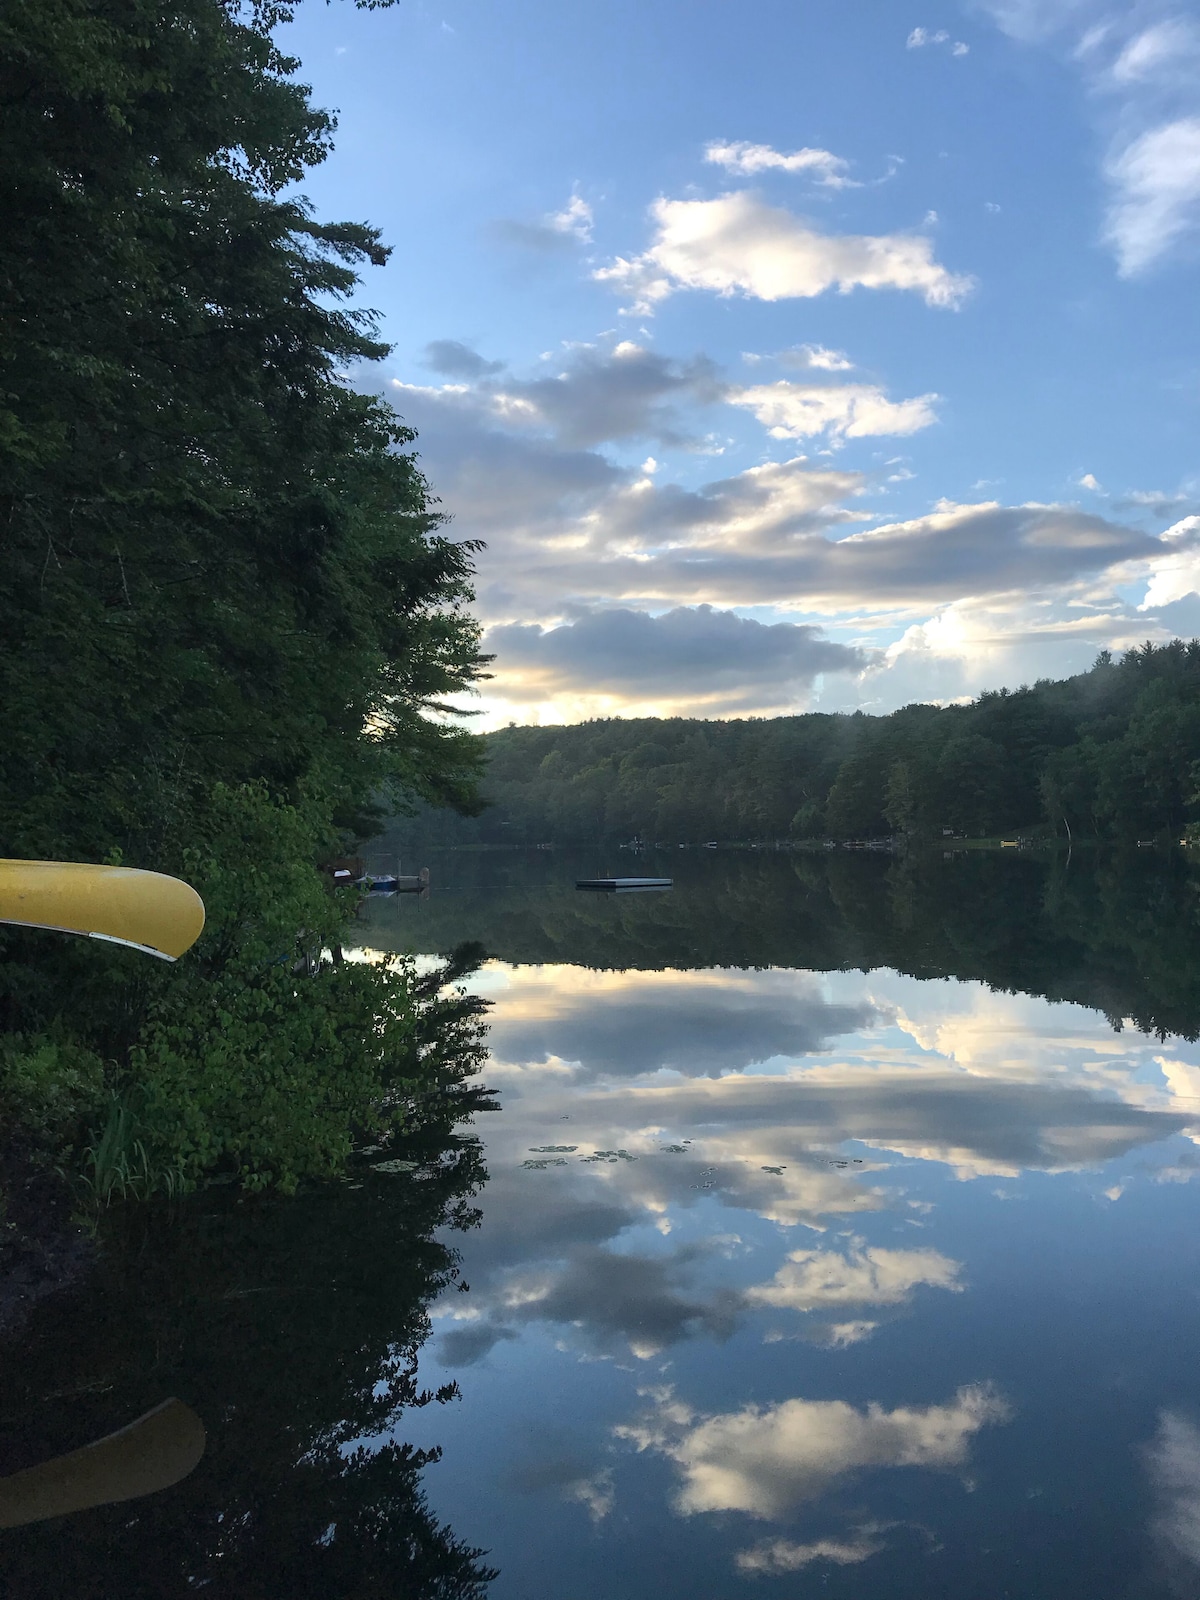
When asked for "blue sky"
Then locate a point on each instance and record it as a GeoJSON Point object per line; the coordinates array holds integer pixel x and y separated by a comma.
{"type": "Point", "coordinates": [787, 355]}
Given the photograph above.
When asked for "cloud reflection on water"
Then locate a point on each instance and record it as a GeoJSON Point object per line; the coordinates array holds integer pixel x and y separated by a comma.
{"type": "Point", "coordinates": [767, 1461]}
{"type": "Point", "coordinates": [659, 1065]}
{"type": "Point", "coordinates": [746, 1106]}
{"type": "Point", "coordinates": [702, 1024]}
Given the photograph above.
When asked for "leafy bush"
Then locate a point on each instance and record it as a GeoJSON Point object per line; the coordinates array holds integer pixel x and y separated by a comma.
{"type": "Point", "coordinates": [263, 1053]}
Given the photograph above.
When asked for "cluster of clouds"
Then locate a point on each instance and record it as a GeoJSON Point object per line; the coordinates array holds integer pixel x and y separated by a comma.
{"type": "Point", "coordinates": [608, 586]}
{"type": "Point", "coordinates": [747, 160]}
{"type": "Point", "coordinates": [1173, 1458]}
{"type": "Point", "coordinates": [741, 1087]}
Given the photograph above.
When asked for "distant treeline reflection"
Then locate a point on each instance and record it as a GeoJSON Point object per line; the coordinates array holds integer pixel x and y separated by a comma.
{"type": "Point", "coordinates": [1111, 753]}
{"type": "Point", "coordinates": [1116, 931]}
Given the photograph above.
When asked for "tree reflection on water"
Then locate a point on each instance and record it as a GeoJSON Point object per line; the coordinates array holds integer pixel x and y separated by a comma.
{"type": "Point", "coordinates": [1119, 932]}
{"type": "Point", "coordinates": [292, 1326]}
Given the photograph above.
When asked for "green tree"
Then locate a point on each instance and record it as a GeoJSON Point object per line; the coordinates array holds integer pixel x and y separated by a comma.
{"type": "Point", "coordinates": [856, 800]}
{"type": "Point", "coordinates": [230, 617]}
{"type": "Point", "coordinates": [219, 563]}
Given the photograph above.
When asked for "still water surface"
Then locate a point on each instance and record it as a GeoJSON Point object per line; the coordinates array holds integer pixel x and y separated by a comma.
{"type": "Point", "coordinates": [839, 1238]}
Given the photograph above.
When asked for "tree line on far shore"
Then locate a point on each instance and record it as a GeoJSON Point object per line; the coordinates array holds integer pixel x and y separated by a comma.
{"type": "Point", "coordinates": [1113, 753]}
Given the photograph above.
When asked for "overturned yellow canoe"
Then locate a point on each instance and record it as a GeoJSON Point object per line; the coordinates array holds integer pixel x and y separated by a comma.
{"type": "Point", "coordinates": [146, 910]}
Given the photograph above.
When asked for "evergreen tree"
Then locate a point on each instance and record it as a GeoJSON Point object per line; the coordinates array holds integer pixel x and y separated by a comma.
{"type": "Point", "coordinates": [219, 563]}
{"type": "Point", "coordinates": [229, 615]}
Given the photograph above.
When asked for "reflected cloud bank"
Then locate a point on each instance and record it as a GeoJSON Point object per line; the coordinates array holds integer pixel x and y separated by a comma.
{"type": "Point", "coordinates": [813, 1279]}
{"type": "Point", "coordinates": [767, 1461]}
{"type": "Point", "coordinates": [636, 1102]}
{"type": "Point", "coordinates": [697, 1024]}
{"type": "Point", "coordinates": [772, 1557]}
{"type": "Point", "coordinates": [748, 1287]}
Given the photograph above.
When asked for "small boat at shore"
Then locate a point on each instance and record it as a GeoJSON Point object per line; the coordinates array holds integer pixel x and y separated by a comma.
{"type": "Point", "coordinates": [623, 885]}
{"type": "Point", "coordinates": [396, 883]}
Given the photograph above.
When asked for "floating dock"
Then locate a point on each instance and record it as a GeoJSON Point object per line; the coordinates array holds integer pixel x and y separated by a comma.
{"type": "Point", "coordinates": [623, 885]}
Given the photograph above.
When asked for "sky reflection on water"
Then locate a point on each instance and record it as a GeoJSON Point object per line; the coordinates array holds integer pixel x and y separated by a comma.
{"type": "Point", "coordinates": [825, 1279]}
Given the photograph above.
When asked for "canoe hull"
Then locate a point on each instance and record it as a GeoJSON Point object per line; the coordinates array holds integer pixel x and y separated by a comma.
{"type": "Point", "coordinates": [147, 910]}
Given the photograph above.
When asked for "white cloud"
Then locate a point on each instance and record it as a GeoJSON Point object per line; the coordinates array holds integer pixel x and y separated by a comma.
{"type": "Point", "coordinates": [1090, 481]}
{"type": "Point", "coordinates": [767, 1461]}
{"type": "Point", "coordinates": [843, 411]}
{"type": "Point", "coordinates": [818, 357]}
{"type": "Point", "coordinates": [1157, 199]}
{"type": "Point", "coordinates": [975, 1122]}
{"type": "Point", "coordinates": [772, 1557]}
{"type": "Point", "coordinates": [841, 1335]}
{"type": "Point", "coordinates": [920, 37]}
{"type": "Point", "coordinates": [566, 527]}
{"type": "Point", "coordinates": [761, 537]}
{"type": "Point", "coordinates": [1176, 574]}
{"type": "Point", "coordinates": [747, 159]}
{"type": "Point", "coordinates": [575, 219]}
{"type": "Point", "coordinates": [811, 1280]}
{"type": "Point", "coordinates": [988, 593]}
{"type": "Point", "coordinates": [1163, 49]}
{"type": "Point", "coordinates": [737, 244]}
{"type": "Point", "coordinates": [595, 1494]}
{"type": "Point", "coordinates": [556, 231]}
{"type": "Point", "coordinates": [1035, 20]}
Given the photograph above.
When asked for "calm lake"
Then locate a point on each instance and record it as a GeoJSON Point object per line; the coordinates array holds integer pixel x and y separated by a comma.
{"type": "Point", "coordinates": [836, 1234]}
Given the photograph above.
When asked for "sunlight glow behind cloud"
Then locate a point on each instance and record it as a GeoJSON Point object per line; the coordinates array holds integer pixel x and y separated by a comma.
{"type": "Point", "coordinates": [738, 244]}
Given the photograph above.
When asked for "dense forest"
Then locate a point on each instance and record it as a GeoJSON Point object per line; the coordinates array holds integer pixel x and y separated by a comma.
{"type": "Point", "coordinates": [229, 612]}
{"type": "Point", "coordinates": [1113, 754]}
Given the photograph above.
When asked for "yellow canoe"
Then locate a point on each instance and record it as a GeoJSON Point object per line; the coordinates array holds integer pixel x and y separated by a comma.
{"type": "Point", "coordinates": [150, 1454]}
{"type": "Point", "coordinates": [146, 910]}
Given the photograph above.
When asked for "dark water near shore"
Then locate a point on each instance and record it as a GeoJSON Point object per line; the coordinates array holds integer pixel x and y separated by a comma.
{"type": "Point", "coordinates": [840, 1237]}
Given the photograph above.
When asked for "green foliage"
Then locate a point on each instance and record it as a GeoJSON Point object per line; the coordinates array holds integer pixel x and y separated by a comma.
{"type": "Point", "coordinates": [230, 616]}
{"type": "Point", "coordinates": [120, 1166]}
{"type": "Point", "coordinates": [52, 1087]}
{"type": "Point", "coordinates": [219, 562]}
{"type": "Point", "coordinates": [1111, 753]}
{"type": "Point", "coordinates": [263, 1054]}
